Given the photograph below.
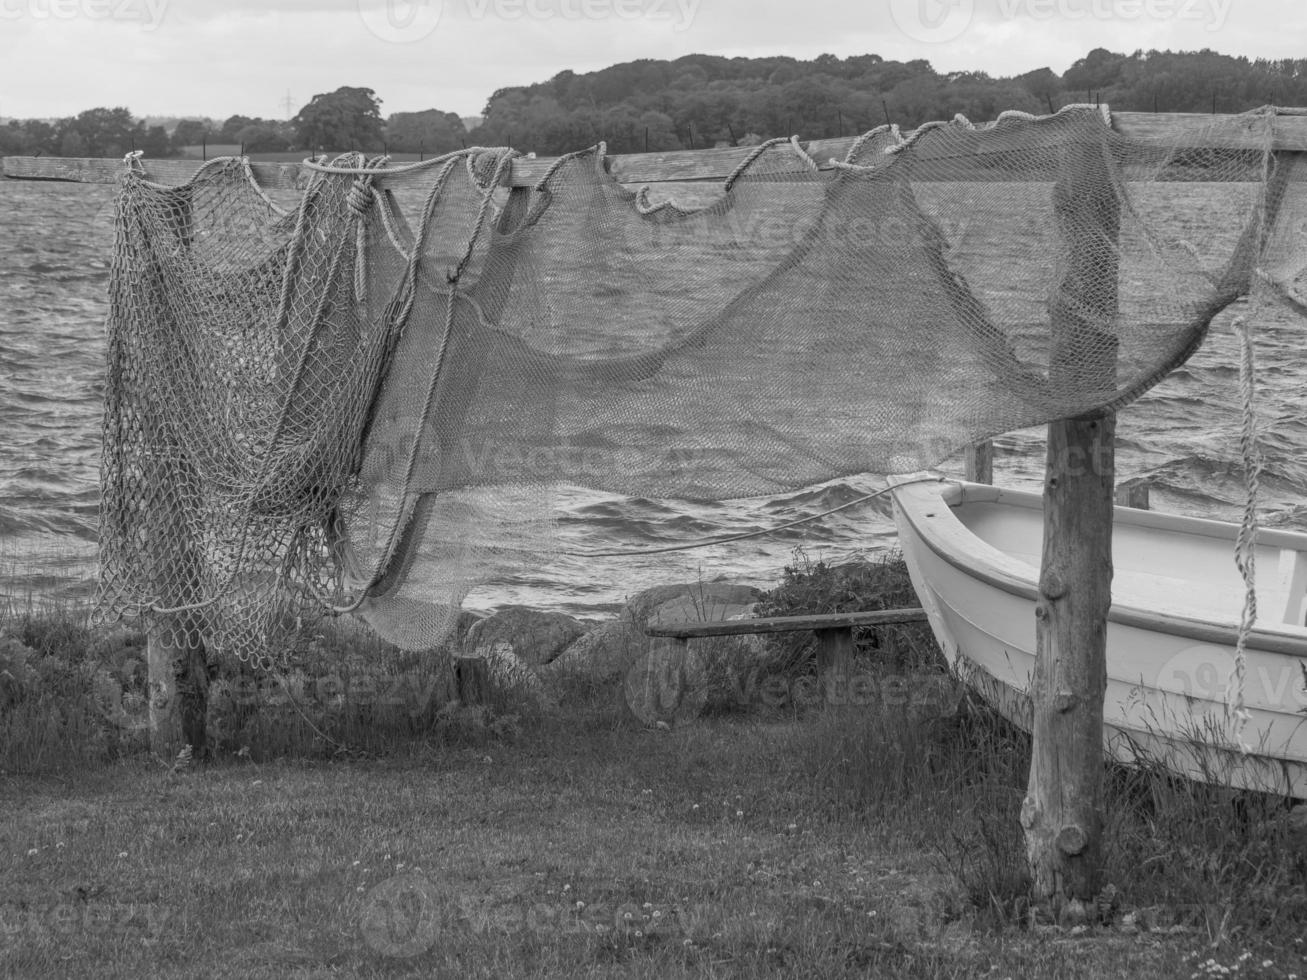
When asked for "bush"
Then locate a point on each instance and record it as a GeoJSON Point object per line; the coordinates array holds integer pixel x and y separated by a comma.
{"type": "Point", "coordinates": [811, 588]}
{"type": "Point", "coordinates": [61, 700]}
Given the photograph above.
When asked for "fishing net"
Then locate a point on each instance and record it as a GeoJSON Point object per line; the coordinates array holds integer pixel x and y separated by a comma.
{"type": "Point", "coordinates": [362, 403]}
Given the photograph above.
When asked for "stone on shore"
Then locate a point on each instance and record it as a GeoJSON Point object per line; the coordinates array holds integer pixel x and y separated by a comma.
{"type": "Point", "coordinates": [662, 682]}
{"type": "Point", "coordinates": [692, 602]}
{"type": "Point", "coordinates": [513, 675]}
{"type": "Point", "coordinates": [535, 638]}
{"type": "Point", "coordinates": [600, 656]}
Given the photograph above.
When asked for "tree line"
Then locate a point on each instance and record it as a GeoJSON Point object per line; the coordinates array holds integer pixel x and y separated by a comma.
{"type": "Point", "coordinates": [705, 100]}
{"type": "Point", "coordinates": [348, 118]}
{"type": "Point", "coordinates": [699, 101]}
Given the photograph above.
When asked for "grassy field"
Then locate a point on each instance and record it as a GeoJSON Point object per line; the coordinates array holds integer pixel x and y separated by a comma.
{"type": "Point", "coordinates": [788, 840]}
{"type": "Point", "coordinates": [735, 847]}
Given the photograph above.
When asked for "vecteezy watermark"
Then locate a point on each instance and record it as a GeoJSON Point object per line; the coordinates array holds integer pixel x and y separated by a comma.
{"type": "Point", "coordinates": [147, 13]}
{"type": "Point", "coordinates": [401, 916]}
{"type": "Point", "coordinates": [406, 444]}
{"type": "Point", "coordinates": [679, 14]}
{"type": "Point", "coordinates": [109, 920]}
{"type": "Point", "coordinates": [1206, 673]}
{"type": "Point", "coordinates": [401, 21]}
{"type": "Point", "coordinates": [1211, 13]}
{"type": "Point", "coordinates": [124, 699]}
{"type": "Point", "coordinates": [408, 21]}
{"type": "Point", "coordinates": [941, 21]}
{"type": "Point", "coordinates": [668, 686]}
{"type": "Point", "coordinates": [405, 916]}
{"type": "Point", "coordinates": [932, 21]}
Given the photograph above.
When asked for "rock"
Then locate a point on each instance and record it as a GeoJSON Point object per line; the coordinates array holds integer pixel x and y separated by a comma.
{"type": "Point", "coordinates": [602, 655]}
{"type": "Point", "coordinates": [1297, 820]}
{"type": "Point", "coordinates": [693, 601]}
{"type": "Point", "coordinates": [535, 638]}
{"type": "Point", "coordinates": [691, 609]}
{"type": "Point", "coordinates": [1073, 913]}
{"type": "Point", "coordinates": [660, 681]}
{"type": "Point", "coordinates": [512, 674]}
{"type": "Point", "coordinates": [466, 620]}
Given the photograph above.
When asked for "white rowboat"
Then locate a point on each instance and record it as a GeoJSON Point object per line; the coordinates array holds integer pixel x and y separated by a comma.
{"type": "Point", "coordinates": [973, 552]}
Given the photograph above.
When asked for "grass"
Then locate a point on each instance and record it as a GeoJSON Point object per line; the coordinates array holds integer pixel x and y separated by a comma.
{"type": "Point", "coordinates": [471, 862]}
{"type": "Point", "coordinates": [878, 839]}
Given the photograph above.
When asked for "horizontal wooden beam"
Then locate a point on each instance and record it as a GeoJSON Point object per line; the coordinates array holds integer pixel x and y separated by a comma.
{"type": "Point", "coordinates": [94, 170]}
{"type": "Point", "coordinates": [786, 624]}
{"type": "Point", "coordinates": [1178, 128]}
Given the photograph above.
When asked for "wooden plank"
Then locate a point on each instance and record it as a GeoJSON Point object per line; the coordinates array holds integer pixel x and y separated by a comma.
{"type": "Point", "coordinates": [271, 176]}
{"type": "Point", "coordinates": [1196, 129]}
{"type": "Point", "coordinates": [1181, 129]}
{"type": "Point", "coordinates": [786, 624]}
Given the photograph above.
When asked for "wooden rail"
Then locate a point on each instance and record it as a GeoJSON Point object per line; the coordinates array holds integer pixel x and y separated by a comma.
{"type": "Point", "coordinates": [834, 631]}
{"type": "Point", "coordinates": [1173, 129]}
{"type": "Point", "coordinates": [786, 624]}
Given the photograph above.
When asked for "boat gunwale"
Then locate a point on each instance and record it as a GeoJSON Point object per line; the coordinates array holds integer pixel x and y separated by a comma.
{"type": "Point", "coordinates": [977, 558]}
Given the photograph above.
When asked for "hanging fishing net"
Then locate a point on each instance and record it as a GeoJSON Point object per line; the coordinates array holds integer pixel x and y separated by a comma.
{"type": "Point", "coordinates": [361, 404]}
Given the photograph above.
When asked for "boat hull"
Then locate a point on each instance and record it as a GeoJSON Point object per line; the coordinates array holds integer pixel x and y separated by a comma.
{"type": "Point", "coordinates": [973, 553]}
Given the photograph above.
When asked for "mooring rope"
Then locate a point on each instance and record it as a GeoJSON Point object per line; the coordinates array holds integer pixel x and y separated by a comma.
{"type": "Point", "coordinates": [1245, 552]}
{"type": "Point", "coordinates": [709, 542]}
{"type": "Point", "coordinates": [1245, 557]}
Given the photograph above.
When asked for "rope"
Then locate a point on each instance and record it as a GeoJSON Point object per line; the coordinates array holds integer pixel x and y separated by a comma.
{"type": "Point", "coordinates": [599, 150]}
{"type": "Point", "coordinates": [1245, 556]}
{"type": "Point", "coordinates": [503, 161]}
{"type": "Point", "coordinates": [168, 610]}
{"type": "Point", "coordinates": [709, 542]}
{"type": "Point", "coordinates": [748, 161]}
{"type": "Point", "coordinates": [390, 171]}
{"type": "Point", "coordinates": [803, 155]}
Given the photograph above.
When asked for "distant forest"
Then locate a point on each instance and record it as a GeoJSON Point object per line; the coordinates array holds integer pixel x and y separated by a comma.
{"type": "Point", "coordinates": [698, 101]}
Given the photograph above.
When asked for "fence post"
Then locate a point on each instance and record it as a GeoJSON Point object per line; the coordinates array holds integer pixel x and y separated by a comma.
{"type": "Point", "coordinates": [979, 458]}
{"type": "Point", "coordinates": [1133, 493]}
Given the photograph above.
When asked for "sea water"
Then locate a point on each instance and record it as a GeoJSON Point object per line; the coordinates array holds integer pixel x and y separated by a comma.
{"type": "Point", "coordinates": [55, 247]}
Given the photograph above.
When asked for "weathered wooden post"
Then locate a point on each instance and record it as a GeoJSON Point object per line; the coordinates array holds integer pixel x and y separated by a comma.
{"type": "Point", "coordinates": [835, 653]}
{"type": "Point", "coordinates": [1133, 493]}
{"type": "Point", "coordinates": [1062, 812]}
{"type": "Point", "coordinates": [178, 683]}
{"type": "Point", "coordinates": [979, 459]}
{"type": "Point", "coordinates": [176, 665]}
{"type": "Point", "coordinates": [472, 678]}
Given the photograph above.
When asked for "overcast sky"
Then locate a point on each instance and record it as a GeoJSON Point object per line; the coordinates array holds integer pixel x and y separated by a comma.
{"type": "Point", "coordinates": [206, 57]}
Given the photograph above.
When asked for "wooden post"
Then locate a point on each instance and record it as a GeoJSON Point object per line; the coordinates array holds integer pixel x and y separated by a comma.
{"type": "Point", "coordinates": [1062, 813]}
{"type": "Point", "coordinates": [176, 665]}
{"type": "Point", "coordinates": [980, 462]}
{"type": "Point", "coordinates": [834, 662]}
{"type": "Point", "coordinates": [473, 678]}
{"type": "Point", "coordinates": [1133, 493]}
{"type": "Point", "coordinates": [178, 680]}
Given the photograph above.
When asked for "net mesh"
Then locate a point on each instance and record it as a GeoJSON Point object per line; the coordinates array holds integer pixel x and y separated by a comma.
{"type": "Point", "coordinates": [361, 404]}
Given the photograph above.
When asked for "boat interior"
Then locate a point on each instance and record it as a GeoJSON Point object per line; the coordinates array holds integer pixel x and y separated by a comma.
{"type": "Point", "coordinates": [1160, 560]}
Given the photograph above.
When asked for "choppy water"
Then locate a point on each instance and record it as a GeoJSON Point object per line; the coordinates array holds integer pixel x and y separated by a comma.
{"type": "Point", "coordinates": [55, 242]}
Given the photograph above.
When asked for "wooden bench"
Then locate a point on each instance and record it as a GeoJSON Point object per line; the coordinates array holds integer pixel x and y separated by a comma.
{"type": "Point", "coordinates": [834, 631]}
